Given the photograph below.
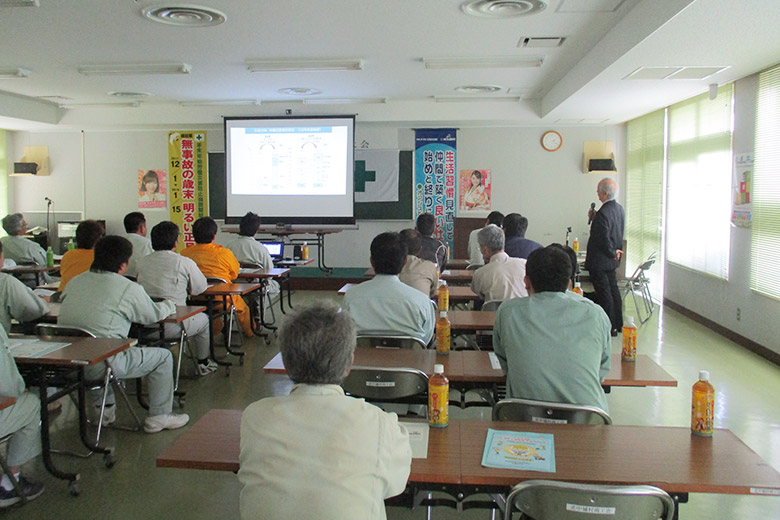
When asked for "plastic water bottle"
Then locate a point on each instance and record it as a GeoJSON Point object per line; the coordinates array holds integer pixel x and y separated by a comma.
{"type": "Point", "coordinates": [438, 398]}
{"type": "Point", "coordinates": [703, 406]}
{"type": "Point", "coordinates": [629, 340]}
{"type": "Point", "coordinates": [444, 296]}
{"type": "Point", "coordinates": [49, 257]}
{"type": "Point", "coordinates": [305, 251]}
{"type": "Point", "coordinates": [443, 337]}
{"type": "Point", "coordinates": [576, 245]}
{"type": "Point", "coordinates": [577, 288]}
{"type": "Point", "coordinates": [71, 245]}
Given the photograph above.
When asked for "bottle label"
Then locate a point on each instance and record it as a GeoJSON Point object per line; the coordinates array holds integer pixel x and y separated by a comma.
{"type": "Point", "coordinates": [444, 300]}
{"type": "Point", "coordinates": [702, 413]}
{"type": "Point", "coordinates": [438, 405]}
{"type": "Point", "coordinates": [629, 344]}
{"type": "Point", "coordinates": [443, 338]}
{"type": "Point", "coordinates": [305, 252]}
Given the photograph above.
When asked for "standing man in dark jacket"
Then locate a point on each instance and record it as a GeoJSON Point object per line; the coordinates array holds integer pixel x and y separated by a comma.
{"type": "Point", "coordinates": [604, 252]}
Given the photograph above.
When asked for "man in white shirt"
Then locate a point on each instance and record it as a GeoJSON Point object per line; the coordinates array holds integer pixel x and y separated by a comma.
{"type": "Point", "coordinates": [250, 251]}
{"type": "Point", "coordinates": [386, 305]}
{"type": "Point", "coordinates": [106, 303]}
{"type": "Point", "coordinates": [502, 277]}
{"type": "Point", "coordinates": [17, 300]}
{"type": "Point", "coordinates": [317, 453]}
{"type": "Point", "coordinates": [135, 227]}
{"type": "Point", "coordinates": [475, 254]}
{"type": "Point", "coordinates": [166, 274]}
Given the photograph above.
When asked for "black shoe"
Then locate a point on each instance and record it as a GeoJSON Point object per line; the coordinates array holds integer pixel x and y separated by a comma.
{"type": "Point", "coordinates": [31, 491]}
{"type": "Point", "coordinates": [614, 332]}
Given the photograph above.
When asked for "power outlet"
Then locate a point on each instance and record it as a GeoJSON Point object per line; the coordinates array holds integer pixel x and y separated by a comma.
{"type": "Point", "coordinates": [739, 314]}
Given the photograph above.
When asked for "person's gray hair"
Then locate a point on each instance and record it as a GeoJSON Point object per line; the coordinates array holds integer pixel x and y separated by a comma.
{"type": "Point", "coordinates": [13, 223]}
{"type": "Point", "coordinates": [492, 237]}
{"type": "Point", "coordinates": [608, 187]}
{"type": "Point", "coordinates": [317, 344]}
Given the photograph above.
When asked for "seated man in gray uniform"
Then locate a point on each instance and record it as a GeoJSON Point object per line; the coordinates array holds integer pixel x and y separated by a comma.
{"type": "Point", "coordinates": [17, 300]}
{"type": "Point", "coordinates": [250, 251]}
{"type": "Point", "coordinates": [106, 303]}
{"type": "Point", "coordinates": [317, 453]}
{"type": "Point", "coordinates": [23, 420]}
{"type": "Point", "coordinates": [386, 305]}
{"type": "Point", "coordinates": [553, 345]}
{"type": "Point", "coordinates": [22, 250]}
{"type": "Point", "coordinates": [166, 274]}
{"type": "Point", "coordinates": [433, 249]}
{"type": "Point", "coordinates": [135, 227]}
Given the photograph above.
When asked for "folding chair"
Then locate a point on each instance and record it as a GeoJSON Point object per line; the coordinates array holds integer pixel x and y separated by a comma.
{"type": "Point", "coordinates": [264, 301]}
{"type": "Point", "coordinates": [386, 385]}
{"type": "Point", "coordinates": [45, 329]}
{"type": "Point", "coordinates": [230, 313]}
{"type": "Point", "coordinates": [551, 500]}
{"type": "Point", "coordinates": [527, 410]}
{"type": "Point", "coordinates": [389, 341]}
{"type": "Point", "coordinates": [640, 282]}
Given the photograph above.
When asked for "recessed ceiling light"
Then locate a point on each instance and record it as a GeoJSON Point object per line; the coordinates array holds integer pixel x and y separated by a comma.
{"type": "Point", "coordinates": [541, 42]}
{"type": "Point", "coordinates": [13, 73]}
{"type": "Point", "coordinates": [345, 101]}
{"type": "Point", "coordinates": [220, 102]}
{"type": "Point", "coordinates": [301, 65]}
{"type": "Point", "coordinates": [461, 99]}
{"type": "Point", "coordinates": [502, 8]}
{"type": "Point", "coordinates": [127, 69]}
{"type": "Point", "coordinates": [478, 89]}
{"type": "Point", "coordinates": [652, 72]}
{"type": "Point", "coordinates": [129, 104]}
{"type": "Point", "coordinates": [495, 62]}
{"type": "Point", "coordinates": [695, 72]}
{"type": "Point", "coordinates": [129, 95]}
{"type": "Point", "coordinates": [184, 15]}
{"type": "Point", "coordinates": [56, 99]}
{"type": "Point", "coordinates": [299, 91]}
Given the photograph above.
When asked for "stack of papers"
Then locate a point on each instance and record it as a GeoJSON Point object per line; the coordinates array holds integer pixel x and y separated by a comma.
{"type": "Point", "coordinates": [32, 347]}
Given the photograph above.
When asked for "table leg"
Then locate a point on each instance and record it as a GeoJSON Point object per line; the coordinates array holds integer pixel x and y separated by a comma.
{"type": "Point", "coordinates": [45, 440]}
{"type": "Point", "coordinates": [210, 311]}
{"type": "Point", "coordinates": [228, 347]}
{"type": "Point", "coordinates": [321, 254]}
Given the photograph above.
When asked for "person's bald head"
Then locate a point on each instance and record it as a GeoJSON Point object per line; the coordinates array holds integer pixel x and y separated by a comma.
{"type": "Point", "coordinates": [607, 189]}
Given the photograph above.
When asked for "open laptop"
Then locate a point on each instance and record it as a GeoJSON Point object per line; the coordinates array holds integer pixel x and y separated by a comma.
{"type": "Point", "coordinates": [276, 249]}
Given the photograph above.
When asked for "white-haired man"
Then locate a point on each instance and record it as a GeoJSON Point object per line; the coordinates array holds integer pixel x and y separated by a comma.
{"type": "Point", "coordinates": [501, 278]}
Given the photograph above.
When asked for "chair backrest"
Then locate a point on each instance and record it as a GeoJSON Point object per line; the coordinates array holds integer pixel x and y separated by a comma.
{"type": "Point", "coordinates": [250, 265]}
{"type": "Point", "coordinates": [211, 280]}
{"type": "Point", "coordinates": [46, 329]}
{"type": "Point", "coordinates": [491, 305]}
{"type": "Point", "coordinates": [385, 384]}
{"type": "Point", "coordinates": [527, 410]}
{"type": "Point", "coordinates": [389, 341]}
{"type": "Point", "coordinates": [548, 500]}
{"type": "Point", "coordinates": [473, 267]}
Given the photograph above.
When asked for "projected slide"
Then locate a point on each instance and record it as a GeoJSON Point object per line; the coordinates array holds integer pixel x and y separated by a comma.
{"type": "Point", "coordinates": [289, 161]}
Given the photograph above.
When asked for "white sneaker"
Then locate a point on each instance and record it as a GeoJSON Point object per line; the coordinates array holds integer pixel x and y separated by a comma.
{"type": "Point", "coordinates": [109, 414]}
{"type": "Point", "coordinates": [213, 364]}
{"type": "Point", "coordinates": [204, 370]}
{"type": "Point", "coordinates": [171, 421]}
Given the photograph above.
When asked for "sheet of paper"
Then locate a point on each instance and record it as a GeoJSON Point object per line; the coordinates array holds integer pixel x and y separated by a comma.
{"type": "Point", "coordinates": [275, 363]}
{"type": "Point", "coordinates": [43, 292]}
{"type": "Point", "coordinates": [494, 362]}
{"type": "Point", "coordinates": [418, 438]}
{"type": "Point", "coordinates": [519, 450]}
{"type": "Point", "coordinates": [33, 348]}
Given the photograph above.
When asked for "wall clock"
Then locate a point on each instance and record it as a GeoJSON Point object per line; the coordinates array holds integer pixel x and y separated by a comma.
{"type": "Point", "coordinates": [551, 141]}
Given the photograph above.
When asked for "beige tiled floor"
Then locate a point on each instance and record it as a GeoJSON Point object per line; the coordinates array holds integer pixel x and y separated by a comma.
{"type": "Point", "coordinates": [747, 403]}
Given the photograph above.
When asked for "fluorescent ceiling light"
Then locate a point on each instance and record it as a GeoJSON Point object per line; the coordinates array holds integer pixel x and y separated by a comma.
{"type": "Point", "coordinates": [220, 102]}
{"type": "Point", "coordinates": [130, 104]}
{"type": "Point", "coordinates": [13, 72]}
{"type": "Point", "coordinates": [20, 3]}
{"type": "Point", "coordinates": [461, 99]}
{"type": "Point", "coordinates": [482, 62]}
{"type": "Point", "coordinates": [297, 65]}
{"type": "Point", "coordinates": [114, 69]}
{"type": "Point", "coordinates": [344, 101]}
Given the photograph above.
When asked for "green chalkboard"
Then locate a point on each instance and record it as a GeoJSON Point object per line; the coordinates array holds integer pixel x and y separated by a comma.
{"type": "Point", "coordinates": [401, 210]}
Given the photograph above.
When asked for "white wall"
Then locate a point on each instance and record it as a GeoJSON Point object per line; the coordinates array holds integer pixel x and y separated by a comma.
{"type": "Point", "coordinates": [718, 300]}
{"type": "Point", "coordinates": [547, 187]}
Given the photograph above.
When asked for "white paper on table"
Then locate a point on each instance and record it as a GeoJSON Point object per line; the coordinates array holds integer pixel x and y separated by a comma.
{"type": "Point", "coordinates": [494, 362]}
{"type": "Point", "coordinates": [43, 292]}
{"type": "Point", "coordinates": [418, 438]}
{"type": "Point", "coordinates": [33, 348]}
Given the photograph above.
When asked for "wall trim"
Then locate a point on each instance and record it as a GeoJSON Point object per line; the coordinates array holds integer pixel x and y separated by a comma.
{"type": "Point", "coordinates": [747, 343]}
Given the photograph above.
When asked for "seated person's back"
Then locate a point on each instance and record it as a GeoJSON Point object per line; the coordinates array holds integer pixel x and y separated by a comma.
{"type": "Point", "coordinates": [553, 345]}
{"type": "Point", "coordinates": [418, 272]}
{"type": "Point", "coordinates": [433, 249]}
{"type": "Point", "coordinates": [317, 453]}
{"type": "Point", "coordinates": [386, 305]}
{"type": "Point", "coordinates": [246, 249]}
{"type": "Point", "coordinates": [22, 250]}
{"type": "Point", "coordinates": [79, 260]}
{"type": "Point", "coordinates": [502, 277]}
{"type": "Point", "coordinates": [516, 245]}
{"type": "Point", "coordinates": [135, 227]}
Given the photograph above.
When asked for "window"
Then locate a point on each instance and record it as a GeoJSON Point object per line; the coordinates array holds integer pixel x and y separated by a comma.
{"type": "Point", "coordinates": [645, 194]}
{"type": "Point", "coordinates": [765, 237]}
{"type": "Point", "coordinates": [698, 229]}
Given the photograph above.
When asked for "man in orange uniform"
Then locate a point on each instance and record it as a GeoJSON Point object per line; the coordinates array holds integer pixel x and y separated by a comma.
{"type": "Point", "coordinates": [79, 260]}
{"type": "Point", "coordinates": [219, 262]}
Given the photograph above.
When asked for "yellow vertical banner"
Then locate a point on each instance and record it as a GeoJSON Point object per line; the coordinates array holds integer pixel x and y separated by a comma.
{"type": "Point", "coordinates": [189, 184]}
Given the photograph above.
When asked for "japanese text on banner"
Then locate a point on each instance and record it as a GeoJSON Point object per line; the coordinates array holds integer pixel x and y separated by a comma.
{"type": "Point", "coordinates": [435, 154]}
{"type": "Point", "coordinates": [188, 181]}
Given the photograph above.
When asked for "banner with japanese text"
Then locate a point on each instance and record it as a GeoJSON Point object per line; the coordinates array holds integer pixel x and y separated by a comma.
{"type": "Point", "coordinates": [189, 188]}
{"type": "Point", "coordinates": [434, 179]}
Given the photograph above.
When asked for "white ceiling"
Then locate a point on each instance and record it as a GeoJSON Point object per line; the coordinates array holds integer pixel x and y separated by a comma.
{"type": "Point", "coordinates": [580, 82]}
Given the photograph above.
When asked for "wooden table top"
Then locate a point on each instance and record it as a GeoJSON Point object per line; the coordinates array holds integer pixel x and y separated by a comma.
{"type": "Point", "coordinates": [223, 289]}
{"type": "Point", "coordinates": [346, 287]}
{"type": "Point", "coordinates": [670, 458]}
{"type": "Point", "coordinates": [464, 321]}
{"type": "Point", "coordinates": [81, 351]}
{"type": "Point", "coordinates": [181, 313]}
{"type": "Point", "coordinates": [458, 263]}
{"type": "Point", "coordinates": [450, 275]}
{"type": "Point", "coordinates": [462, 293]}
{"type": "Point", "coordinates": [293, 263]}
{"type": "Point", "coordinates": [6, 401]}
{"type": "Point", "coordinates": [274, 272]}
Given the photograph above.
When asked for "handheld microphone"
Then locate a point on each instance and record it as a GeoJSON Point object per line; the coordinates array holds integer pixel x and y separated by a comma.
{"type": "Point", "coordinates": [591, 212]}
{"type": "Point", "coordinates": [47, 199]}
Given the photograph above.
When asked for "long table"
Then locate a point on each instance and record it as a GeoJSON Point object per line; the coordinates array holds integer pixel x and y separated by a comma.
{"type": "Point", "coordinates": [54, 370]}
{"type": "Point", "coordinates": [670, 458]}
{"type": "Point", "coordinates": [455, 276]}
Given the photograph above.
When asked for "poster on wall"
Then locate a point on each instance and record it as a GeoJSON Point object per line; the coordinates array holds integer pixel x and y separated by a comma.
{"type": "Point", "coordinates": [189, 192]}
{"type": "Point", "coordinates": [742, 182]}
{"type": "Point", "coordinates": [152, 189]}
{"type": "Point", "coordinates": [434, 179]}
{"type": "Point", "coordinates": [475, 187]}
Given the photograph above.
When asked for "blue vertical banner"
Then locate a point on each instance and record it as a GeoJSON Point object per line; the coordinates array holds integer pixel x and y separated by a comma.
{"type": "Point", "coordinates": [434, 178]}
